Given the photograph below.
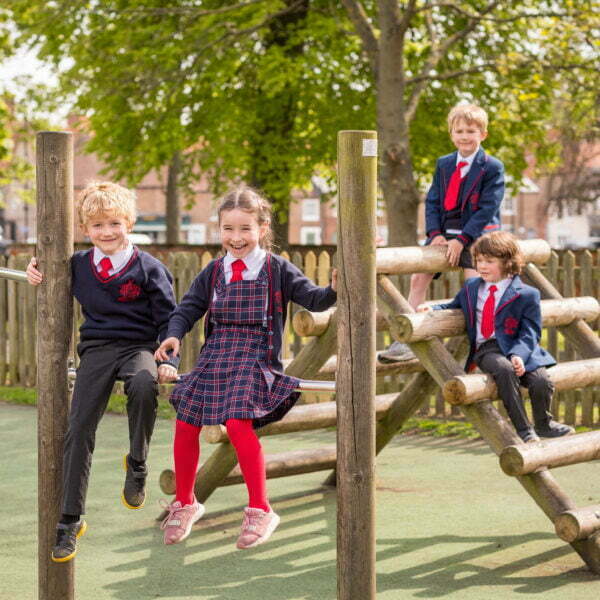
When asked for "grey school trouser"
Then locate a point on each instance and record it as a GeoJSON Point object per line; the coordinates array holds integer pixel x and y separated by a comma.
{"type": "Point", "coordinates": [489, 359]}
{"type": "Point", "coordinates": [101, 363]}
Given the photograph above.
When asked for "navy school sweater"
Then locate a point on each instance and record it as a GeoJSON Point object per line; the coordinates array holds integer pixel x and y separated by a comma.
{"type": "Point", "coordinates": [134, 304]}
{"type": "Point", "coordinates": [286, 283]}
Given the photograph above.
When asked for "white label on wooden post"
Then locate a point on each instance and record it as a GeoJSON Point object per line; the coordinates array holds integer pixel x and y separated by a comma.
{"type": "Point", "coordinates": [369, 147]}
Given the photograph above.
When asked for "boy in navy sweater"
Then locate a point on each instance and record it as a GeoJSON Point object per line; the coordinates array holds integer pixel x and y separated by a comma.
{"type": "Point", "coordinates": [504, 326]}
{"type": "Point", "coordinates": [126, 297]}
{"type": "Point", "coordinates": [463, 202]}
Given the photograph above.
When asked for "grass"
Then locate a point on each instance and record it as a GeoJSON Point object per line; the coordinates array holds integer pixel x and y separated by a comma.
{"type": "Point", "coordinates": [116, 404]}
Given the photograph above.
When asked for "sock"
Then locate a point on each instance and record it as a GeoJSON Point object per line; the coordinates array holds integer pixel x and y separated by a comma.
{"type": "Point", "coordinates": [186, 451]}
{"type": "Point", "coordinates": [252, 461]}
{"type": "Point", "coordinates": [69, 519]}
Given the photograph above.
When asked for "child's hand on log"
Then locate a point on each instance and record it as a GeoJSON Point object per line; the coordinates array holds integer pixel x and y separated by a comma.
{"type": "Point", "coordinates": [518, 365]}
{"type": "Point", "coordinates": [424, 308]}
{"type": "Point", "coordinates": [453, 252]}
{"type": "Point", "coordinates": [334, 280]}
{"type": "Point", "coordinates": [439, 240]}
{"type": "Point", "coordinates": [34, 277]}
{"type": "Point", "coordinates": [166, 373]}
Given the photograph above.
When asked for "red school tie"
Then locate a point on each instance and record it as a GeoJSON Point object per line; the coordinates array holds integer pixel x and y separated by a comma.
{"type": "Point", "coordinates": [487, 315]}
{"type": "Point", "coordinates": [451, 197]}
{"type": "Point", "coordinates": [237, 266]}
{"type": "Point", "coordinates": [105, 267]}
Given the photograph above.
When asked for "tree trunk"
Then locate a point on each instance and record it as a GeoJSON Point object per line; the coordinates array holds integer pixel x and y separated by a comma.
{"type": "Point", "coordinates": [172, 201]}
{"type": "Point", "coordinates": [396, 171]}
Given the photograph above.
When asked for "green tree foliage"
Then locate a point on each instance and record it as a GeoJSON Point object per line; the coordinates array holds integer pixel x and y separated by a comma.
{"type": "Point", "coordinates": [256, 89]}
{"type": "Point", "coordinates": [248, 90]}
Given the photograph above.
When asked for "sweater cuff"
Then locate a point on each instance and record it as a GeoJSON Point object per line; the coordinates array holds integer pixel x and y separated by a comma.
{"type": "Point", "coordinates": [464, 239]}
{"type": "Point", "coordinates": [434, 232]}
{"type": "Point", "coordinates": [173, 361]}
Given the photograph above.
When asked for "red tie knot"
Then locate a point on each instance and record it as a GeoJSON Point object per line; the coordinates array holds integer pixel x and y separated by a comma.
{"type": "Point", "coordinates": [105, 267]}
{"type": "Point", "coordinates": [492, 289]}
{"type": "Point", "coordinates": [237, 266]}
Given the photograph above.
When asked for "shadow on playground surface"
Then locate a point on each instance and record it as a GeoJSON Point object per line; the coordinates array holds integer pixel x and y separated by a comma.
{"type": "Point", "coordinates": [449, 525]}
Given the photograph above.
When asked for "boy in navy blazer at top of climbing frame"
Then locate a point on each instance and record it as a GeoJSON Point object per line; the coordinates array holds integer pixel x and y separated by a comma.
{"type": "Point", "coordinates": [504, 326]}
{"type": "Point", "coordinates": [462, 203]}
{"type": "Point", "coordinates": [126, 296]}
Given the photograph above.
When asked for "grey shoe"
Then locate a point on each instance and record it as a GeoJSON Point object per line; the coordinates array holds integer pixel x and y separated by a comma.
{"type": "Point", "coordinates": [66, 540]}
{"type": "Point", "coordinates": [134, 490]}
{"type": "Point", "coordinates": [396, 352]}
{"type": "Point", "coordinates": [528, 435]}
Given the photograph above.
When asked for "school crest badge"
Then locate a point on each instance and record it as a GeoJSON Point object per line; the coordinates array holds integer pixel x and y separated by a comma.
{"type": "Point", "coordinates": [129, 291]}
{"type": "Point", "coordinates": [510, 325]}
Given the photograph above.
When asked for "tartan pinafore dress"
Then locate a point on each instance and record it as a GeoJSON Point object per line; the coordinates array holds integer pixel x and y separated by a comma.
{"type": "Point", "coordinates": [232, 378]}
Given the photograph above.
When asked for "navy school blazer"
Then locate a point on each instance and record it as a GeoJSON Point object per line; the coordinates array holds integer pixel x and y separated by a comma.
{"type": "Point", "coordinates": [480, 197]}
{"type": "Point", "coordinates": [517, 322]}
{"type": "Point", "coordinates": [286, 283]}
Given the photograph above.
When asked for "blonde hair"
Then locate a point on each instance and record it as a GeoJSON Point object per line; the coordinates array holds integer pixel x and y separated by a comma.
{"type": "Point", "coordinates": [501, 245]}
{"type": "Point", "coordinates": [471, 113]}
{"type": "Point", "coordinates": [100, 197]}
{"type": "Point", "coordinates": [247, 199]}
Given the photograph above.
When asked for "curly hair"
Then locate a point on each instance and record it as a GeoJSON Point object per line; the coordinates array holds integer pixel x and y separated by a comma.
{"type": "Point", "coordinates": [100, 197]}
{"type": "Point", "coordinates": [501, 245]}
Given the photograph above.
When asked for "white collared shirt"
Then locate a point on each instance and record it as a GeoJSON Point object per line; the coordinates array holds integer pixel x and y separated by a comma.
{"type": "Point", "coordinates": [468, 159]}
{"type": "Point", "coordinates": [254, 261]}
{"type": "Point", "coordinates": [482, 295]}
{"type": "Point", "coordinates": [118, 259]}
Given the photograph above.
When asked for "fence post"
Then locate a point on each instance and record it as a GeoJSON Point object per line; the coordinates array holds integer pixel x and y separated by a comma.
{"type": "Point", "coordinates": [54, 164]}
{"type": "Point", "coordinates": [357, 196]}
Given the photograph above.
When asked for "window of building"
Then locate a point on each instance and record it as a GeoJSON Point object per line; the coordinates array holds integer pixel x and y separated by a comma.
{"type": "Point", "coordinates": [508, 206]}
{"type": "Point", "coordinates": [196, 234]}
{"type": "Point", "coordinates": [310, 236]}
{"type": "Point", "coordinates": [311, 209]}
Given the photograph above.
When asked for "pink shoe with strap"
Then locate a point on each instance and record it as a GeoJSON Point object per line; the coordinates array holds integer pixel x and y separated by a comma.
{"type": "Point", "coordinates": [178, 523]}
{"type": "Point", "coordinates": [257, 527]}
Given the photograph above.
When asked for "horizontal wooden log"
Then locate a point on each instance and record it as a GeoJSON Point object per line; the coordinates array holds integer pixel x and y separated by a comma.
{"type": "Point", "coordinates": [307, 323]}
{"type": "Point", "coordinates": [467, 389]}
{"type": "Point", "coordinates": [303, 417]}
{"type": "Point", "coordinates": [416, 327]}
{"type": "Point", "coordinates": [295, 462]}
{"type": "Point", "coordinates": [431, 259]}
{"type": "Point", "coordinates": [522, 459]}
{"type": "Point", "coordinates": [578, 524]}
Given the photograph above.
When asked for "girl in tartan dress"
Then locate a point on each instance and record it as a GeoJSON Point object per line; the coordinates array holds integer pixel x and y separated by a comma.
{"type": "Point", "coordinates": [238, 380]}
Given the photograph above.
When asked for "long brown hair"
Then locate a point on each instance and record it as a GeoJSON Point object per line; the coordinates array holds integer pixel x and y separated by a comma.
{"type": "Point", "coordinates": [501, 245]}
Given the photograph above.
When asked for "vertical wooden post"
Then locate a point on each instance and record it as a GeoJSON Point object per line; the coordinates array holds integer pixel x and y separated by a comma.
{"type": "Point", "coordinates": [54, 165]}
{"type": "Point", "coordinates": [357, 198]}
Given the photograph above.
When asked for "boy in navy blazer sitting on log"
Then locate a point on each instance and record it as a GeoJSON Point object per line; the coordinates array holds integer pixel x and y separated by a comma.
{"type": "Point", "coordinates": [463, 202]}
{"type": "Point", "coordinates": [126, 296]}
{"type": "Point", "coordinates": [504, 325]}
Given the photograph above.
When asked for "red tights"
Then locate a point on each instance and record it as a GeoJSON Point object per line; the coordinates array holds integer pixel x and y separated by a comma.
{"type": "Point", "coordinates": [186, 450]}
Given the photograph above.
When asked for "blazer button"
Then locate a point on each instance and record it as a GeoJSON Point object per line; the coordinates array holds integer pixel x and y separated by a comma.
{"type": "Point", "coordinates": [270, 347]}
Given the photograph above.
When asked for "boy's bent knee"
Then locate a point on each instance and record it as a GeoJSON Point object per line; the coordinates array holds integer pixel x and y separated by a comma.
{"type": "Point", "coordinates": [143, 383]}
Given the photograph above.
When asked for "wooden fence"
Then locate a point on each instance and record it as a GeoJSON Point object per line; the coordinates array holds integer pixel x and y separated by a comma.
{"type": "Point", "coordinates": [573, 273]}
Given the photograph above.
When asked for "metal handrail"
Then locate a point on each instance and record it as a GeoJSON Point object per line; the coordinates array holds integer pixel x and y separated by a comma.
{"type": "Point", "coordinates": [305, 385]}
{"type": "Point", "coordinates": [13, 274]}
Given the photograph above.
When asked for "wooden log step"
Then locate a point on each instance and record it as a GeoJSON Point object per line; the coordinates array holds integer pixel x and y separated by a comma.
{"type": "Point", "coordinates": [303, 417]}
{"type": "Point", "coordinates": [523, 459]}
{"type": "Point", "coordinates": [431, 259]}
{"type": "Point", "coordinates": [467, 389]}
{"type": "Point", "coordinates": [417, 327]}
{"type": "Point", "coordinates": [307, 323]}
{"type": "Point", "coordinates": [578, 524]}
{"type": "Point", "coordinates": [295, 462]}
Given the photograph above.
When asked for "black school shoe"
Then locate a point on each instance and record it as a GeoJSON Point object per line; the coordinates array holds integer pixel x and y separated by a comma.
{"type": "Point", "coordinates": [134, 490]}
{"type": "Point", "coordinates": [552, 429]}
{"type": "Point", "coordinates": [66, 540]}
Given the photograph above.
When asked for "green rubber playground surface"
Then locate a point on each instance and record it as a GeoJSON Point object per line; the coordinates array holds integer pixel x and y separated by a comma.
{"type": "Point", "coordinates": [449, 525]}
